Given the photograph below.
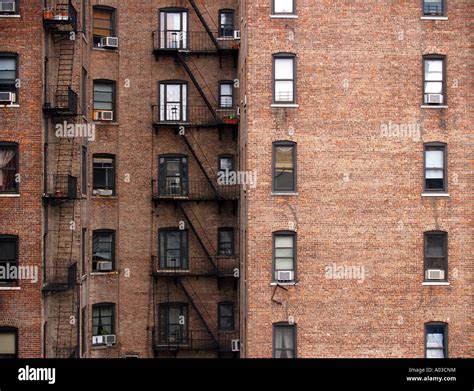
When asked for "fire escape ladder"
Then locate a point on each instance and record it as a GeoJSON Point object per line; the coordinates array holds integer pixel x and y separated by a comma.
{"type": "Point", "coordinates": [199, 307]}
{"type": "Point", "coordinates": [202, 161]}
{"type": "Point", "coordinates": [66, 337]}
{"type": "Point", "coordinates": [189, 70]}
{"type": "Point", "coordinates": [204, 22]}
{"type": "Point", "coordinates": [65, 72]}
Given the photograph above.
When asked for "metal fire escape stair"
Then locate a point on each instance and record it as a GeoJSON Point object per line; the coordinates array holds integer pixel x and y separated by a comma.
{"type": "Point", "coordinates": [203, 15]}
{"type": "Point", "coordinates": [66, 330]}
{"type": "Point", "coordinates": [65, 71]}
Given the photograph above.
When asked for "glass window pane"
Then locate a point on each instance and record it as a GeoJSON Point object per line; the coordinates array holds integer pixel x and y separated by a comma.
{"type": "Point", "coordinates": [284, 68]}
{"type": "Point", "coordinates": [283, 6]}
{"type": "Point", "coordinates": [434, 174]}
{"type": "Point", "coordinates": [433, 87]}
{"type": "Point", "coordinates": [7, 343]}
{"type": "Point", "coordinates": [435, 246]}
{"type": "Point", "coordinates": [7, 64]}
{"type": "Point", "coordinates": [434, 159]}
{"type": "Point", "coordinates": [283, 241]}
{"type": "Point", "coordinates": [283, 91]}
{"type": "Point", "coordinates": [173, 21]}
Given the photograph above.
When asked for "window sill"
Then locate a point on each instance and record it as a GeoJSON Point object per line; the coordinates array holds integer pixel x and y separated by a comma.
{"type": "Point", "coordinates": [434, 18]}
{"type": "Point", "coordinates": [114, 50]}
{"type": "Point", "coordinates": [104, 273]}
{"type": "Point", "coordinates": [10, 288]}
{"type": "Point", "coordinates": [105, 123]}
{"type": "Point", "coordinates": [285, 193]}
{"type": "Point", "coordinates": [102, 347]}
{"type": "Point", "coordinates": [292, 105]}
{"type": "Point", "coordinates": [435, 194]}
{"type": "Point", "coordinates": [103, 197]}
{"type": "Point", "coordinates": [284, 283]}
{"type": "Point", "coordinates": [289, 16]}
{"type": "Point", "coordinates": [9, 195]}
{"type": "Point", "coordinates": [435, 283]}
{"type": "Point", "coordinates": [8, 106]}
{"type": "Point", "coordinates": [15, 16]}
{"type": "Point", "coordinates": [434, 106]}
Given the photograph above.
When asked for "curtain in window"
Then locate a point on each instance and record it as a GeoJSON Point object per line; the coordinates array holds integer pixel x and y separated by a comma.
{"type": "Point", "coordinates": [284, 342]}
{"type": "Point", "coordinates": [433, 77]}
{"type": "Point", "coordinates": [435, 345]}
{"type": "Point", "coordinates": [6, 156]}
{"type": "Point", "coordinates": [7, 343]}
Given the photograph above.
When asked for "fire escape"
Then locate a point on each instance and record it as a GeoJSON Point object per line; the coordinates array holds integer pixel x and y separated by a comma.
{"type": "Point", "coordinates": [185, 47]}
{"type": "Point", "coordinates": [60, 285]}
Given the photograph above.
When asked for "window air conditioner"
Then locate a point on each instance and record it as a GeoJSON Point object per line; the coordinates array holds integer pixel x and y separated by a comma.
{"type": "Point", "coordinates": [103, 115]}
{"type": "Point", "coordinates": [435, 274]}
{"type": "Point", "coordinates": [110, 339]}
{"type": "Point", "coordinates": [434, 98]}
{"type": "Point", "coordinates": [109, 42]}
{"type": "Point", "coordinates": [6, 97]}
{"type": "Point", "coordinates": [235, 345]}
{"type": "Point", "coordinates": [104, 266]}
{"type": "Point", "coordinates": [285, 275]}
{"type": "Point", "coordinates": [236, 34]}
{"type": "Point", "coordinates": [97, 340]}
{"type": "Point", "coordinates": [8, 6]}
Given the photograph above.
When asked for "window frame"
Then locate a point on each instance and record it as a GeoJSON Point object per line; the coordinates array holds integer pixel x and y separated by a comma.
{"type": "Point", "coordinates": [226, 11]}
{"type": "Point", "coordinates": [16, 58]}
{"type": "Point", "coordinates": [283, 56]}
{"type": "Point", "coordinates": [112, 325]}
{"type": "Point", "coordinates": [16, 240]}
{"type": "Point", "coordinates": [183, 102]}
{"type": "Point", "coordinates": [220, 316]}
{"type": "Point", "coordinates": [220, 96]}
{"type": "Point", "coordinates": [278, 325]}
{"type": "Point", "coordinates": [183, 174]}
{"type": "Point", "coordinates": [183, 249]}
{"type": "Point", "coordinates": [8, 330]}
{"type": "Point", "coordinates": [284, 143]}
{"type": "Point", "coordinates": [114, 96]}
{"type": "Point", "coordinates": [16, 146]}
{"type": "Point", "coordinates": [163, 27]}
{"type": "Point", "coordinates": [445, 337]}
{"type": "Point", "coordinates": [445, 255]}
{"type": "Point", "coordinates": [295, 254]}
{"type": "Point", "coordinates": [443, 59]}
{"type": "Point", "coordinates": [113, 169]}
{"type": "Point", "coordinates": [113, 23]}
{"type": "Point", "coordinates": [444, 148]}
{"type": "Point", "coordinates": [165, 331]}
{"type": "Point", "coordinates": [443, 6]}
{"type": "Point", "coordinates": [283, 13]}
{"type": "Point", "coordinates": [225, 229]}
{"type": "Point", "coordinates": [113, 252]}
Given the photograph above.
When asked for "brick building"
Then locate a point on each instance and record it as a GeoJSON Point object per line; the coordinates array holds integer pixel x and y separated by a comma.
{"type": "Point", "coordinates": [122, 125]}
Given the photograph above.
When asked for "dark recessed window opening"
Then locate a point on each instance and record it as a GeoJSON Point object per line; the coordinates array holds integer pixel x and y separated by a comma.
{"type": "Point", "coordinates": [284, 79]}
{"type": "Point", "coordinates": [436, 256]}
{"type": "Point", "coordinates": [8, 257]}
{"type": "Point", "coordinates": [173, 29]}
{"type": "Point", "coordinates": [226, 241]}
{"type": "Point", "coordinates": [103, 250]}
{"type": "Point", "coordinates": [104, 27]}
{"type": "Point", "coordinates": [435, 168]}
{"type": "Point", "coordinates": [225, 169]}
{"type": "Point", "coordinates": [226, 27]}
{"type": "Point", "coordinates": [226, 316]}
{"type": "Point", "coordinates": [173, 323]}
{"type": "Point", "coordinates": [173, 249]}
{"type": "Point", "coordinates": [103, 175]}
{"type": "Point", "coordinates": [284, 341]}
{"type": "Point", "coordinates": [226, 95]}
{"type": "Point", "coordinates": [173, 102]}
{"type": "Point", "coordinates": [284, 167]}
{"type": "Point", "coordinates": [103, 319]}
{"type": "Point", "coordinates": [434, 86]}
{"type": "Point", "coordinates": [284, 256]}
{"type": "Point", "coordinates": [8, 168]}
{"type": "Point", "coordinates": [104, 101]}
{"type": "Point", "coordinates": [173, 175]}
{"type": "Point", "coordinates": [8, 78]}
{"type": "Point", "coordinates": [436, 340]}
{"type": "Point", "coordinates": [433, 7]}
{"type": "Point", "coordinates": [8, 342]}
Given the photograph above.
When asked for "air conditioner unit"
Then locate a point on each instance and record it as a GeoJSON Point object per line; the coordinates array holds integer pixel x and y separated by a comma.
{"type": "Point", "coordinates": [102, 192]}
{"type": "Point", "coordinates": [7, 97]}
{"type": "Point", "coordinates": [238, 111]}
{"type": "Point", "coordinates": [435, 274]}
{"type": "Point", "coordinates": [103, 115]}
{"type": "Point", "coordinates": [97, 340]}
{"type": "Point", "coordinates": [8, 6]}
{"type": "Point", "coordinates": [110, 339]}
{"type": "Point", "coordinates": [434, 98]}
{"type": "Point", "coordinates": [285, 275]}
{"type": "Point", "coordinates": [235, 344]}
{"type": "Point", "coordinates": [109, 42]}
{"type": "Point", "coordinates": [236, 34]}
{"type": "Point", "coordinates": [104, 266]}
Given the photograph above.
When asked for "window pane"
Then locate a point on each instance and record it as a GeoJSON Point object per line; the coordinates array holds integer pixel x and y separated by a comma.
{"type": "Point", "coordinates": [433, 69]}
{"type": "Point", "coordinates": [283, 263]}
{"type": "Point", "coordinates": [435, 246]}
{"type": "Point", "coordinates": [434, 159]}
{"type": "Point", "coordinates": [283, 6]}
{"type": "Point", "coordinates": [7, 64]}
{"type": "Point", "coordinates": [284, 68]}
{"type": "Point", "coordinates": [7, 343]}
{"type": "Point", "coordinates": [7, 251]}
{"type": "Point", "coordinates": [173, 21]}
{"type": "Point", "coordinates": [225, 163]}
{"type": "Point", "coordinates": [433, 87]}
{"type": "Point", "coordinates": [284, 241]}
{"type": "Point", "coordinates": [226, 89]}
{"type": "Point", "coordinates": [434, 174]}
{"type": "Point", "coordinates": [283, 91]}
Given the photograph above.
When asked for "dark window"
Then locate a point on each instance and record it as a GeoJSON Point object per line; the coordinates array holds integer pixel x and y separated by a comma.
{"type": "Point", "coordinates": [433, 7]}
{"type": "Point", "coordinates": [173, 175]}
{"type": "Point", "coordinates": [83, 250]}
{"type": "Point", "coordinates": [104, 97]}
{"type": "Point", "coordinates": [226, 316]}
{"type": "Point", "coordinates": [283, 7]}
{"type": "Point", "coordinates": [173, 101]}
{"type": "Point", "coordinates": [103, 250]}
{"type": "Point", "coordinates": [83, 331]}
{"type": "Point", "coordinates": [84, 170]}
{"type": "Point", "coordinates": [173, 323]}
{"type": "Point", "coordinates": [84, 16]}
{"type": "Point", "coordinates": [9, 7]}
{"type": "Point", "coordinates": [284, 256]}
{"type": "Point", "coordinates": [284, 166]}
{"type": "Point", "coordinates": [226, 167]}
{"type": "Point", "coordinates": [104, 23]}
{"type": "Point", "coordinates": [436, 256]}
{"type": "Point", "coordinates": [226, 241]}
{"type": "Point", "coordinates": [284, 78]}
{"type": "Point", "coordinates": [226, 94]}
{"type": "Point", "coordinates": [8, 167]}
{"type": "Point", "coordinates": [173, 29]}
{"type": "Point", "coordinates": [104, 175]}
{"type": "Point", "coordinates": [434, 85]}
{"type": "Point", "coordinates": [173, 249]}
{"type": "Point", "coordinates": [9, 75]}
{"type": "Point", "coordinates": [436, 340]}
{"type": "Point", "coordinates": [226, 20]}
{"type": "Point", "coordinates": [284, 341]}
{"type": "Point", "coordinates": [435, 167]}
{"type": "Point", "coordinates": [8, 256]}
{"type": "Point", "coordinates": [8, 342]}
{"type": "Point", "coordinates": [84, 91]}
{"type": "Point", "coordinates": [103, 319]}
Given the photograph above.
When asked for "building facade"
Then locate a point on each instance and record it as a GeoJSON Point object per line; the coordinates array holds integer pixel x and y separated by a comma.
{"type": "Point", "coordinates": [276, 178]}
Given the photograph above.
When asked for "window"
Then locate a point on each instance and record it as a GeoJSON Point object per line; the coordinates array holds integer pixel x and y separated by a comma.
{"type": "Point", "coordinates": [9, 75]}
{"type": "Point", "coordinates": [435, 167]}
{"type": "Point", "coordinates": [436, 256]}
{"type": "Point", "coordinates": [8, 167]}
{"type": "Point", "coordinates": [433, 7]}
{"type": "Point", "coordinates": [226, 241]}
{"type": "Point", "coordinates": [284, 78]}
{"type": "Point", "coordinates": [226, 316]}
{"type": "Point", "coordinates": [84, 16]}
{"type": "Point", "coordinates": [173, 249]}
{"type": "Point", "coordinates": [8, 257]}
{"type": "Point", "coordinates": [173, 323]}
{"type": "Point", "coordinates": [226, 20]}
{"type": "Point", "coordinates": [173, 175]}
{"type": "Point", "coordinates": [9, 7]}
{"type": "Point", "coordinates": [83, 250]}
{"type": "Point", "coordinates": [84, 170]}
{"type": "Point", "coordinates": [173, 29]}
{"type": "Point", "coordinates": [226, 94]}
{"type": "Point", "coordinates": [104, 97]}
{"type": "Point", "coordinates": [434, 88]}
{"type": "Point", "coordinates": [103, 319]}
{"type": "Point", "coordinates": [226, 167]}
{"type": "Point", "coordinates": [436, 340]}
{"type": "Point", "coordinates": [103, 175]}
{"type": "Point", "coordinates": [84, 91]}
{"type": "Point", "coordinates": [284, 256]}
{"type": "Point", "coordinates": [83, 332]}
{"type": "Point", "coordinates": [284, 340]}
{"type": "Point", "coordinates": [173, 101]}
{"type": "Point", "coordinates": [283, 7]}
{"type": "Point", "coordinates": [103, 250]}
{"type": "Point", "coordinates": [104, 23]}
{"type": "Point", "coordinates": [8, 342]}
{"type": "Point", "coordinates": [284, 166]}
